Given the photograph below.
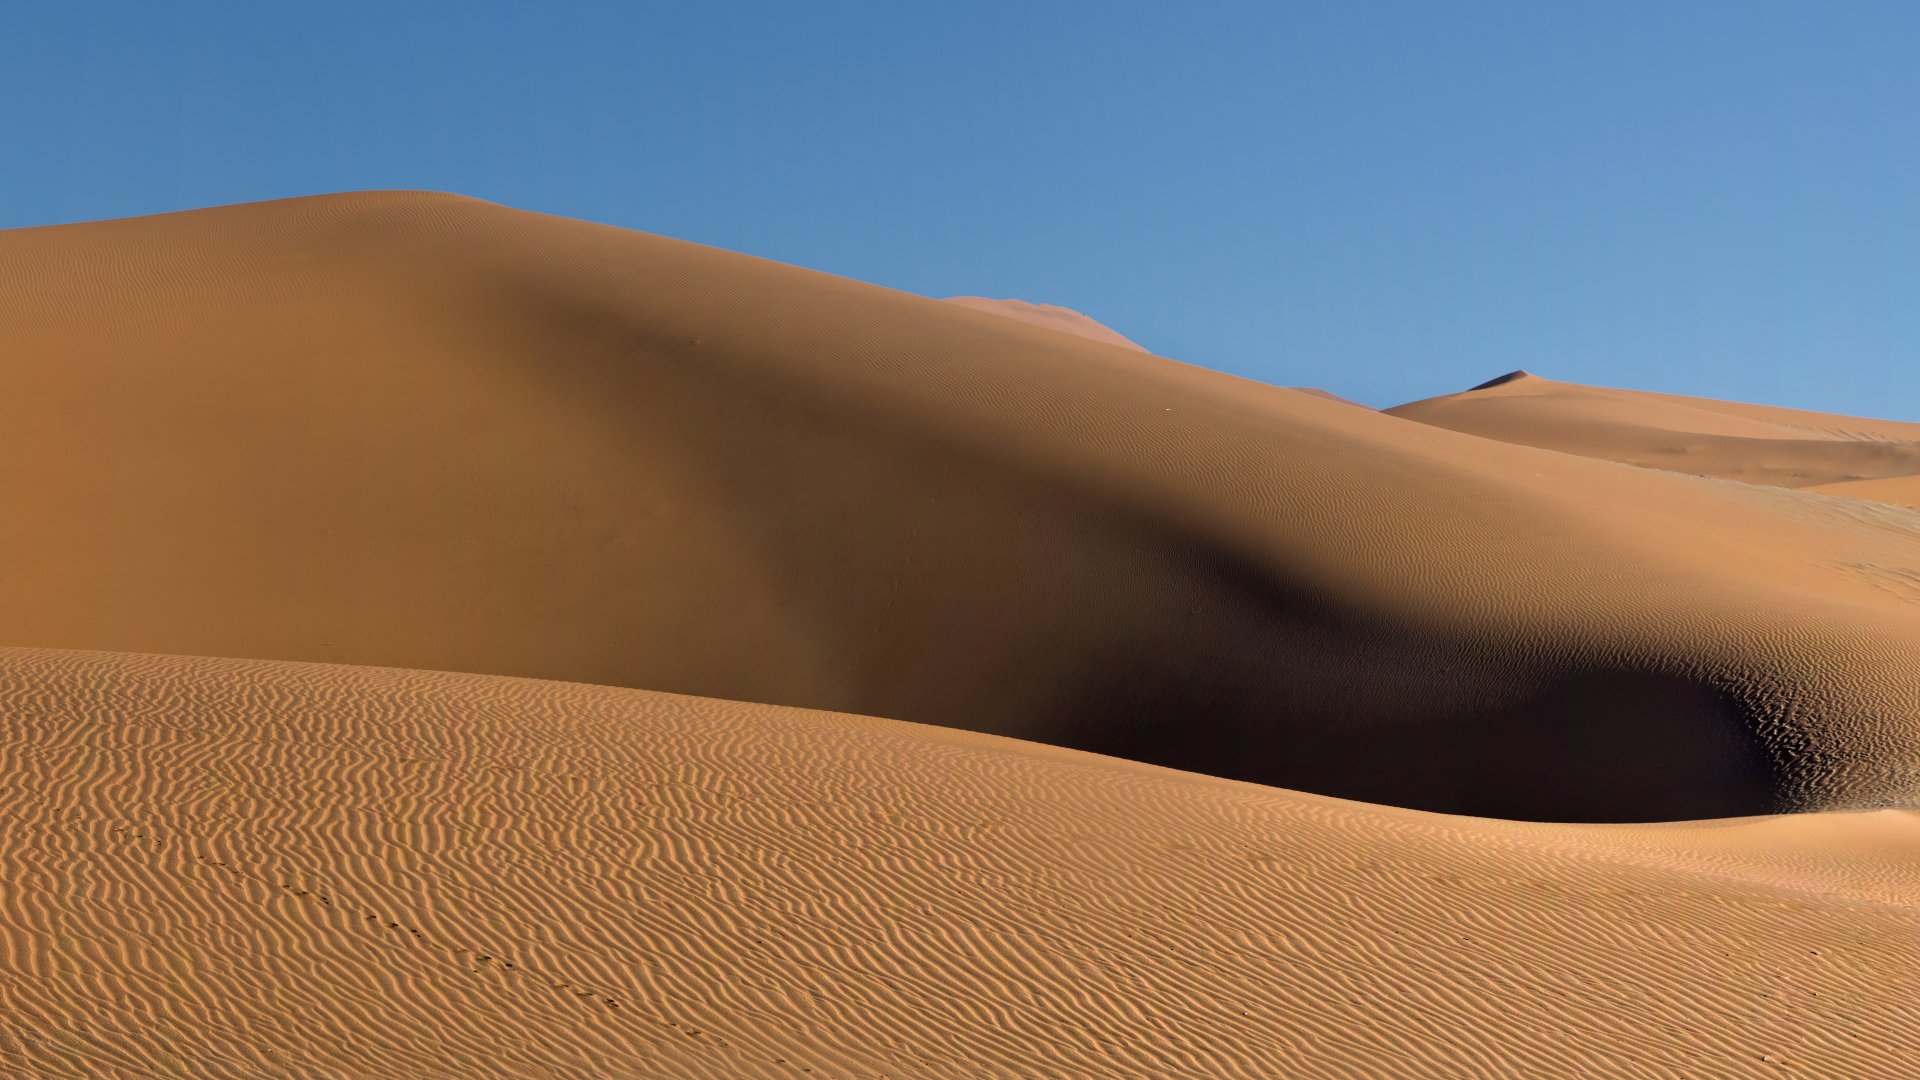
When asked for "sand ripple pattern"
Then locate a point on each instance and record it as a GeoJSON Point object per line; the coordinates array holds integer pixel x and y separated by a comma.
{"type": "Point", "coordinates": [221, 868]}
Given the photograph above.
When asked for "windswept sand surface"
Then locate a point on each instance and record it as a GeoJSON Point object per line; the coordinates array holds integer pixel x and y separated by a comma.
{"type": "Point", "coordinates": [229, 868]}
{"type": "Point", "coordinates": [1758, 444]}
{"type": "Point", "coordinates": [424, 431]}
{"type": "Point", "coordinates": [438, 435]}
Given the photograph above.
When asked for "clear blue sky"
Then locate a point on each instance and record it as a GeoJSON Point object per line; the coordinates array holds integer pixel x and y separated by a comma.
{"type": "Point", "coordinates": [1390, 200]}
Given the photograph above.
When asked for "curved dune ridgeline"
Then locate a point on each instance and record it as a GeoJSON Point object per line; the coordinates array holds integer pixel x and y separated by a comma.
{"type": "Point", "coordinates": [1756, 444]}
{"type": "Point", "coordinates": [575, 569]}
{"type": "Point", "coordinates": [225, 868]}
{"type": "Point", "coordinates": [423, 431]}
{"type": "Point", "coordinates": [1065, 320]}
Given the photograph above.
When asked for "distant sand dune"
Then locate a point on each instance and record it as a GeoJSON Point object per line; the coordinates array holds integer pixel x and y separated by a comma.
{"type": "Point", "coordinates": [236, 869]}
{"type": "Point", "coordinates": [1902, 491]}
{"type": "Point", "coordinates": [1070, 321]}
{"type": "Point", "coordinates": [1330, 397]}
{"type": "Point", "coordinates": [423, 431]}
{"type": "Point", "coordinates": [1752, 443]}
{"type": "Point", "coordinates": [1065, 320]}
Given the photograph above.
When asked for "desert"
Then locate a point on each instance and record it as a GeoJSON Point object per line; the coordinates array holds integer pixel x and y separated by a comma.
{"type": "Point", "coordinates": [444, 639]}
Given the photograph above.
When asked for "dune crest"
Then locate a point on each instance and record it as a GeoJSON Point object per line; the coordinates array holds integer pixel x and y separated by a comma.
{"type": "Point", "coordinates": [1065, 320]}
{"type": "Point", "coordinates": [423, 431]}
{"type": "Point", "coordinates": [1757, 444]}
{"type": "Point", "coordinates": [1507, 379]}
{"type": "Point", "coordinates": [1319, 393]}
{"type": "Point", "coordinates": [503, 506]}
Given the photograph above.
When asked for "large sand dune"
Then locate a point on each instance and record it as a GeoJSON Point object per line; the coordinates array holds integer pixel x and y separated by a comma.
{"type": "Point", "coordinates": [423, 431]}
{"type": "Point", "coordinates": [437, 435]}
{"type": "Point", "coordinates": [239, 869]}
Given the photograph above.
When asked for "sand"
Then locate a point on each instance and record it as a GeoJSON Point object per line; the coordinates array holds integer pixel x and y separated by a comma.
{"type": "Point", "coordinates": [1758, 444]}
{"type": "Point", "coordinates": [227, 868]}
{"type": "Point", "coordinates": [1069, 321]}
{"type": "Point", "coordinates": [365, 440]}
{"type": "Point", "coordinates": [1901, 491]}
{"type": "Point", "coordinates": [1319, 393]}
{"type": "Point", "coordinates": [1065, 320]}
{"type": "Point", "coordinates": [422, 431]}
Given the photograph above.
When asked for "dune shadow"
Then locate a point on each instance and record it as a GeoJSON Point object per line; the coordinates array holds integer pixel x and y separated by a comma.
{"type": "Point", "coordinates": [926, 573]}
{"type": "Point", "coordinates": [1590, 745]}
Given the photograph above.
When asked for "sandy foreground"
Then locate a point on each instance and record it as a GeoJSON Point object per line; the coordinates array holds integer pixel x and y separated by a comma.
{"type": "Point", "coordinates": [242, 868]}
{"type": "Point", "coordinates": [633, 483]}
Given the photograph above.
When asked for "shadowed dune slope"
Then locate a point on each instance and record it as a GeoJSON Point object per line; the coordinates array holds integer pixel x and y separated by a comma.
{"type": "Point", "coordinates": [1758, 444]}
{"type": "Point", "coordinates": [423, 431]}
{"type": "Point", "coordinates": [246, 869]}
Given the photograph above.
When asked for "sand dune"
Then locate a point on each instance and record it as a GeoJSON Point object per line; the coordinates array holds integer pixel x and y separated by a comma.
{"type": "Point", "coordinates": [238, 869]}
{"type": "Point", "coordinates": [437, 435]}
{"type": "Point", "coordinates": [1316, 392]}
{"type": "Point", "coordinates": [1065, 320]}
{"type": "Point", "coordinates": [1902, 491]}
{"type": "Point", "coordinates": [1759, 444]}
{"type": "Point", "coordinates": [422, 431]}
{"type": "Point", "coordinates": [1070, 321]}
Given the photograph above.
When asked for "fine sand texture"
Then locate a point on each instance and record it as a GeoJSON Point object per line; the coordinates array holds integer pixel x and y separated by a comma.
{"type": "Point", "coordinates": [1757, 444]}
{"type": "Point", "coordinates": [422, 431]}
{"type": "Point", "coordinates": [222, 868]}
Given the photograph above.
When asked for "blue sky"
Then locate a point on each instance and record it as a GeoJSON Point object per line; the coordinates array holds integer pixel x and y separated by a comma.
{"type": "Point", "coordinates": [1390, 200]}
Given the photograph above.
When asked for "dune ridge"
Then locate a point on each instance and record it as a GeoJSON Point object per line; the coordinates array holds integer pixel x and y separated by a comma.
{"type": "Point", "coordinates": [1051, 316]}
{"type": "Point", "coordinates": [478, 439]}
{"type": "Point", "coordinates": [227, 868]}
{"type": "Point", "coordinates": [1759, 444]}
{"type": "Point", "coordinates": [1069, 321]}
{"type": "Point", "coordinates": [516, 517]}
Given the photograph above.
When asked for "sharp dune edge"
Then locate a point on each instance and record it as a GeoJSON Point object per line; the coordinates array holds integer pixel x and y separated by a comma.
{"type": "Point", "coordinates": [425, 431]}
{"type": "Point", "coordinates": [371, 439]}
{"type": "Point", "coordinates": [1065, 320]}
{"type": "Point", "coordinates": [1069, 321]}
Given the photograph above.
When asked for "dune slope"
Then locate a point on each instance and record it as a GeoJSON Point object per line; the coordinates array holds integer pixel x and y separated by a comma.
{"type": "Point", "coordinates": [245, 869]}
{"type": "Point", "coordinates": [1757, 444]}
{"type": "Point", "coordinates": [423, 431]}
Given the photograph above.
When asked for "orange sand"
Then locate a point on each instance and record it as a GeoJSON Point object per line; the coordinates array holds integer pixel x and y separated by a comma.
{"type": "Point", "coordinates": [1065, 320]}
{"type": "Point", "coordinates": [1758, 444]}
{"type": "Point", "coordinates": [430, 433]}
{"type": "Point", "coordinates": [230, 868]}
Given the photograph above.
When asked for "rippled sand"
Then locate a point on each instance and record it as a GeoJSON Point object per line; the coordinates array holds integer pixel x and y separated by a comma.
{"type": "Point", "coordinates": [370, 439]}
